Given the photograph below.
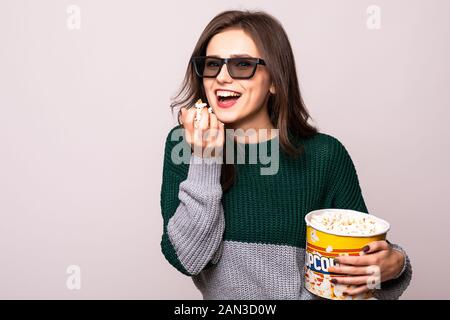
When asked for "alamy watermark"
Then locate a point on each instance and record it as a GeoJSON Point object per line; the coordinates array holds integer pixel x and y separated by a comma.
{"type": "Point", "coordinates": [257, 152]}
{"type": "Point", "coordinates": [374, 19]}
{"type": "Point", "coordinates": [73, 21]}
{"type": "Point", "coordinates": [73, 281]}
{"type": "Point", "coordinates": [374, 280]}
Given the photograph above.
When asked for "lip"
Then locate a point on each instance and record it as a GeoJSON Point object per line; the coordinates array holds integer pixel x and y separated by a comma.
{"type": "Point", "coordinates": [227, 104]}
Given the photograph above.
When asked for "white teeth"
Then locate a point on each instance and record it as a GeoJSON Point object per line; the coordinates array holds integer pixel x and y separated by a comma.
{"type": "Point", "coordinates": [221, 93]}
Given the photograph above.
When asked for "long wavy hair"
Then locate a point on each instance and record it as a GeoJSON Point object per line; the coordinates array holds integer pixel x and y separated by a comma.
{"type": "Point", "coordinates": [286, 108]}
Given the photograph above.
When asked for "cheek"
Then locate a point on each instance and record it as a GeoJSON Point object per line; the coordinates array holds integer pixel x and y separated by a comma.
{"type": "Point", "coordinates": [207, 84]}
{"type": "Point", "coordinates": [261, 82]}
{"type": "Point", "coordinates": [257, 93]}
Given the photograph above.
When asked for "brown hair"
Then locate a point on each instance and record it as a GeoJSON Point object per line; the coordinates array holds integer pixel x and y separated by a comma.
{"type": "Point", "coordinates": [286, 108]}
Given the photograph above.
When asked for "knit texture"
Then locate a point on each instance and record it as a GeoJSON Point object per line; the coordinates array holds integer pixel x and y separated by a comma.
{"type": "Point", "coordinates": [249, 242]}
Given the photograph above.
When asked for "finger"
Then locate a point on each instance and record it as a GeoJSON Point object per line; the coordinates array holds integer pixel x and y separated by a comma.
{"type": "Point", "coordinates": [202, 127]}
{"type": "Point", "coordinates": [352, 280]}
{"type": "Point", "coordinates": [201, 122]}
{"type": "Point", "coordinates": [213, 128]}
{"type": "Point", "coordinates": [350, 270]}
{"type": "Point", "coordinates": [365, 260]}
{"type": "Point", "coordinates": [181, 113]}
{"type": "Point", "coordinates": [358, 290]}
{"type": "Point", "coordinates": [215, 144]}
{"type": "Point", "coordinates": [213, 122]}
{"type": "Point", "coordinates": [220, 140]}
{"type": "Point", "coordinates": [189, 119]}
{"type": "Point", "coordinates": [188, 125]}
{"type": "Point", "coordinates": [204, 121]}
{"type": "Point", "coordinates": [376, 246]}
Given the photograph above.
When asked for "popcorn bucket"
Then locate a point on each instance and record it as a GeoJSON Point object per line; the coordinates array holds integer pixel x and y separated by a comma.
{"type": "Point", "coordinates": [331, 233]}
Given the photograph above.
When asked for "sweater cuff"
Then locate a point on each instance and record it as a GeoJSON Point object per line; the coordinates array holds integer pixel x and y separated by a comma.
{"type": "Point", "coordinates": [394, 288]}
{"type": "Point", "coordinates": [399, 249]}
{"type": "Point", "coordinates": [205, 171]}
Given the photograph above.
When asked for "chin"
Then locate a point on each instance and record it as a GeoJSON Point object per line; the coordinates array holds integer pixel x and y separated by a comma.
{"type": "Point", "coordinates": [227, 117]}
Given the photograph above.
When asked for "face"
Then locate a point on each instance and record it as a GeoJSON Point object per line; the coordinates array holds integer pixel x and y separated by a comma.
{"type": "Point", "coordinates": [251, 106]}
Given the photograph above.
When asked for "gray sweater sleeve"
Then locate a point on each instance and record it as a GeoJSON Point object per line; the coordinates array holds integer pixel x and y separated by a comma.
{"type": "Point", "coordinates": [394, 288]}
{"type": "Point", "coordinates": [196, 229]}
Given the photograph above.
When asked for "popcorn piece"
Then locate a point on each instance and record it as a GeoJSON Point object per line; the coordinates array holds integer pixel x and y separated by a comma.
{"type": "Point", "coordinates": [346, 223]}
{"type": "Point", "coordinates": [199, 105]}
{"type": "Point", "coordinates": [314, 236]}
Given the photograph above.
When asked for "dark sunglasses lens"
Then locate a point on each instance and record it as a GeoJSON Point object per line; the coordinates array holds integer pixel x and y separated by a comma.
{"type": "Point", "coordinates": [207, 67]}
{"type": "Point", "coordinates": [241, 68]}
{"type": "Point", "coordinates": [212, 67]}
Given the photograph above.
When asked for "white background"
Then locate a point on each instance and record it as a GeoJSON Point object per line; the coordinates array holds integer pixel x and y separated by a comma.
{"type": "Point", "coordinates": [84, 115]}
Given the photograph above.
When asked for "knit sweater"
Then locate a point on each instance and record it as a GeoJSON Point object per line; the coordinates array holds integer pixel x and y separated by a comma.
{"type": "Point", "coordinates": [249, 242]}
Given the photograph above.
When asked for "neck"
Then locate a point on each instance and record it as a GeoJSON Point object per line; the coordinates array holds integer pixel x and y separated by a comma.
{"type": "Point", "coordinates": [259, 123]}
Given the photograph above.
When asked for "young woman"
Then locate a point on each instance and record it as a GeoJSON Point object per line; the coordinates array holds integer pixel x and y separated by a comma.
{"type": "Point", "coordinates": [238, 233]}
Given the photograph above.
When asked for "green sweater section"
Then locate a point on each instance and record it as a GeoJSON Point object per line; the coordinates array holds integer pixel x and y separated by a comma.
{"type": "Point", "coordinates": [271, 208]}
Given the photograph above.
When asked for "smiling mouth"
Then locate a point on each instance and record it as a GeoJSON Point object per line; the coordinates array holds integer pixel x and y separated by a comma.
{"type": "Point", "coordinates": [223, 95]}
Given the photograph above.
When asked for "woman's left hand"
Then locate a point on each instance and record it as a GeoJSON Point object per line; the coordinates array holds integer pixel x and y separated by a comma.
{"type": "Point", "coordinates": [377, 263]}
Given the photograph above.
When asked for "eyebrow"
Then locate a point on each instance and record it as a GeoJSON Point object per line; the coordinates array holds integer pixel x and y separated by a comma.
{"type": "Point", "coordinates": [242, 55]}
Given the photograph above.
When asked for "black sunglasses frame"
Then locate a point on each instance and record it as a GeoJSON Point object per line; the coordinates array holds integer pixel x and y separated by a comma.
{"type": "Point", "coordinates": [225, 61]}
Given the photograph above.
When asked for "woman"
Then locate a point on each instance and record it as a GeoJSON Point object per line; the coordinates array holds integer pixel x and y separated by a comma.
{"type": "Point", "coordinates": [240, 234]}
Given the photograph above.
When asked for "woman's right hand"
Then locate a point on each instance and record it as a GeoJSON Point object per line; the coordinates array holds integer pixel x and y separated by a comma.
{"type": "Point", "coordinates": [208, 138]}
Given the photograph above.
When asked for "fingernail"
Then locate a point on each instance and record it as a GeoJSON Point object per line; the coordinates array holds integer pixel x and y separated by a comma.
{"type": "Point", "coordinates": [334, 281]}
{"type": "Point", "coordinates": [366, 249]}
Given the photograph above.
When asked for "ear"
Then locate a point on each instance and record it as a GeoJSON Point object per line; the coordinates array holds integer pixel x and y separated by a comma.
{"type": "Point", "coordinates": [272, 89]}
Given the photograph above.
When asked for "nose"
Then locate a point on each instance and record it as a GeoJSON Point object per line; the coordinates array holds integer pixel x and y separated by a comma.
{"type": "Point", "coordinates": [224, 76]}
